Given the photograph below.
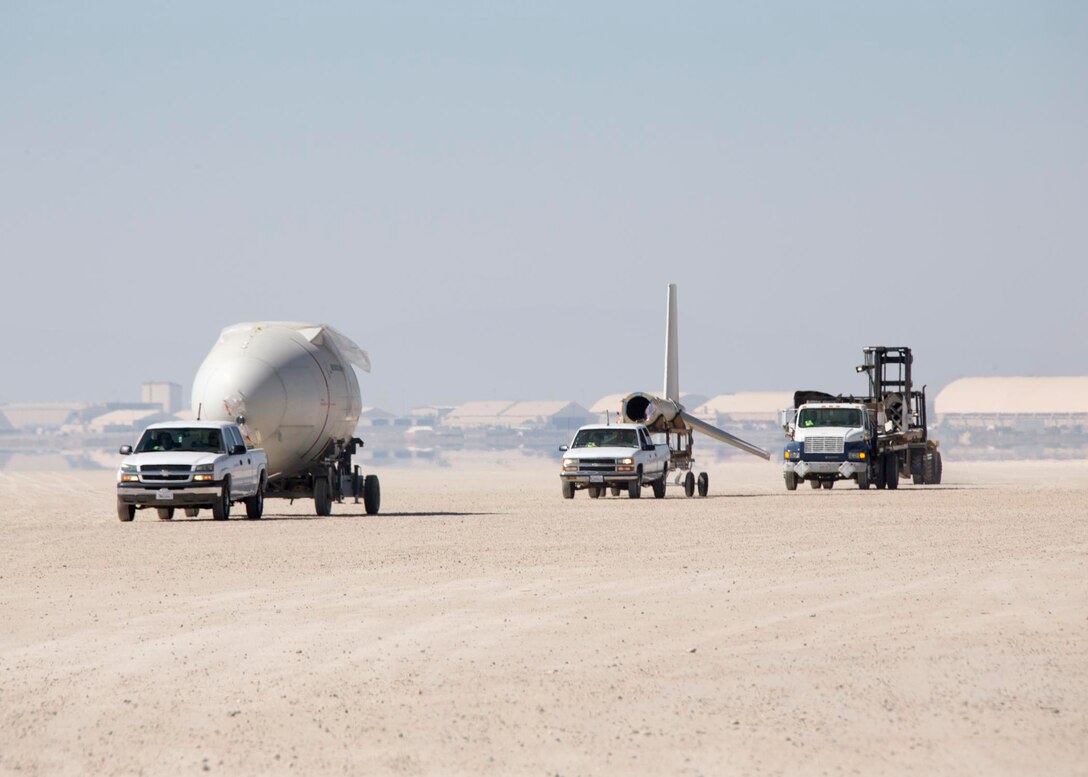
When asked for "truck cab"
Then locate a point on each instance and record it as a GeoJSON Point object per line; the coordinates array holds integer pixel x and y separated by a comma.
{"type": "Point", "coordinates": [613, 456]}
{"type": "Point", "coordinates": [828, 441]}
{"type": "Point", "coordinates": [191, 465]}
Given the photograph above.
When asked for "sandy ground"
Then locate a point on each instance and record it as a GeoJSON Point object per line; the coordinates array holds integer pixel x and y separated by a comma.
{"type": "Point", "coordinates": [483, 625]}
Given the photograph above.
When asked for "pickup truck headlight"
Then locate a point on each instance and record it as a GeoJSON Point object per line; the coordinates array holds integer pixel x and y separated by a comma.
{"type": "Point", "coordinates": [128, 467]}
{"type": "Point", "coordinates": [130, 477]}
{"type": "Point", "coordinates": [204, 468]}
{"type": "Point", "coordinates": [625, 461]}
{"type": "Point", "coordinates": [570, 464]}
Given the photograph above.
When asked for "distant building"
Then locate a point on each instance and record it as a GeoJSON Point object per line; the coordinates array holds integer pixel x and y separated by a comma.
{"type": "Point", "coordinates": [162, 393]}
{"type": "Point", "coordinates": [745, 409]}
{"type": "Point", "coordinates": [375, 416]}
{"type": "Point", "coordinates": [35, 416]}
{"type": "Point", "coordinates": [560, 414]}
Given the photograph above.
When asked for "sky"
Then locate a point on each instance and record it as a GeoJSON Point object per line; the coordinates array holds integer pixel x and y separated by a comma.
{"type": "Point", "coordinates": [491, 198]}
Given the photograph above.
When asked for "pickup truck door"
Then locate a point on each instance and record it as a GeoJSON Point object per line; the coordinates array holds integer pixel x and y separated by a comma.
{"type": "Point", "coordinates": [654, 458]}
{"type": "Point", "coordinates": [243, 472]}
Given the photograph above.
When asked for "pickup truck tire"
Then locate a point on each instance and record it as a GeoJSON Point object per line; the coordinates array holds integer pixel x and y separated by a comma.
{"type": "Point", "coordinates": [595, 491]}
{"type": "Point", "coordinates": [689, 484]}
{"type": "Point", "coordinates": [615, 490]}
{"type": "Point", "coordinates": [165, 513]}
{"type": "Point", "coordinates": [322, 497]}
{"type": "Point", "coordinates": [125, 513]}
{"type": "Point", "coordinates": [255, 503]}
{"type": "Point", "coordinates": [192, 512]}
{"type": "Point", "coordinates": [221, 506]}
{"type": "Point", "coordinates": [891, 473]}
{"type": "Point", "coordinates": [791, 480]}
{"type": "Point", "coordinates": [704, 484]}
{"type": "Point", "coordinates": [568, 489]}
{"type": "Point", "coordinates": [659, 488]}
{"type": "Point", "coordinates": [372, 494]}
{"type": "Point", "coordinates": [634, 488]}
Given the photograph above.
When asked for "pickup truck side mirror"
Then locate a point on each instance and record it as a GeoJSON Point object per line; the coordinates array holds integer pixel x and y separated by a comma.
{"type": "Point", "coordinates": [237, 450]}
{"type": "Point", "coordinates": [563, 448]}
{"type": "Point", "coordinates": [125, 450]}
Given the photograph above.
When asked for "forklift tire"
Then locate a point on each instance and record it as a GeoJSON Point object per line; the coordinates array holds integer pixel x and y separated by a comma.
{"type": "Point", "coordinates": [891, 476]}
{"type": "Point", "coordinates": [938, 468]}
{"type": "Point", "coordinates": [791, 480]}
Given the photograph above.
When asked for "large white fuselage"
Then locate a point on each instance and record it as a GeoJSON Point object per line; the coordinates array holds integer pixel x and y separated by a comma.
{"type": "Point", "coordinates": [291, 385]}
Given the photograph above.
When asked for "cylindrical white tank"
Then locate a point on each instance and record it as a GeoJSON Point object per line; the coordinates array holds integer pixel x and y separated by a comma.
{"type": "Point", "coordinates": [292, 383]}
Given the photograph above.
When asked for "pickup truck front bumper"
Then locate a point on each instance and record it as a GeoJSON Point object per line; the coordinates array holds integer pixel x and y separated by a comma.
{"type": "Point", "coordinates": [582, 477]}
{"type": "Point", "coordinates": [144, 495]}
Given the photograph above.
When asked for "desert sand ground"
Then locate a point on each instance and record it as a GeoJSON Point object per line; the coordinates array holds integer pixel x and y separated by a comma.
{"type": "Point", "coordinates": [483, 625]}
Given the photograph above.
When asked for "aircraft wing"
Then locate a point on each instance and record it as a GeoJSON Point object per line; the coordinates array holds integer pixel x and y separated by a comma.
{"type": "Point", "coordinates": [723, 436]}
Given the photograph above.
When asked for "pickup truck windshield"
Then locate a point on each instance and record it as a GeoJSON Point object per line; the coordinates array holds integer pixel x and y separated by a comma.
{"type": "Point", "coordinates": [181, 439]}
{"type": "Point", "coordinates": [606, 438]}
{"type": "Point", "coordinates": [811, 417]}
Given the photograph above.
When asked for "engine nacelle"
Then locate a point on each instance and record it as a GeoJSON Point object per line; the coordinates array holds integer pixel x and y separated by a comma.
{"type": "Point", "coordinates": [654, 412]}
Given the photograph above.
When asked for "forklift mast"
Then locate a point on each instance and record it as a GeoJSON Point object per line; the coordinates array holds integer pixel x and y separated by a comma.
{"type": "Point", "coordinates": [891, 385]}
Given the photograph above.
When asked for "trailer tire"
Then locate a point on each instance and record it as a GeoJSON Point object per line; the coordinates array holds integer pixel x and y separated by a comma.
{"type": "Point", "coordinates": [703, 484]}
{"type": "Point", "coordinates": [192, 512]}
{"type": "Point", "coordinates": [689, 484]}
{"type": "Point", "coordinates": [615, 490]}
{"type": "Point", "coordinates": [828, 485]}
{"type": "Point", "coordinates": [891, 474]}
{"type": "Point", "coordinates": [791, 480]}
{"type": "Point", "coordinates": [372, 495]}
{"type": "Point", "coordinates": [594, 492]}
{"type": "Point", "coordinates": [165, 513]}
{"type": "Point", "coordinates": [814, 484]}
{"type": "Point", "coordinates": [322, 497]}
{"type": "Point", "coordinates": [568, 489]}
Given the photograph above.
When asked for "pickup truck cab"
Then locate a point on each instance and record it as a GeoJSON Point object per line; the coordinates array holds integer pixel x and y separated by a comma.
{"type": "Point", "coordinates": [616, 456]}
{"type": "Point", "coordinates": [191, 465]}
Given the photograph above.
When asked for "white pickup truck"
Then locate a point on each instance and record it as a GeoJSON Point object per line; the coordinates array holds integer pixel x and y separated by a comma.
{"type": "Point", "coordinates": [616, 456]}
{"type": "Point", "coordinates": [191, 465]}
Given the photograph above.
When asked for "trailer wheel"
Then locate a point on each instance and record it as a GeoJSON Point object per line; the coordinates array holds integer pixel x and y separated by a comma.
{"type": "Point", "coordinates": [568, 489]}
{"type": "Point", "coordinates": [689, 484]}
{"type": "Point", "coordinates": [828, 485]}
{"type": "Point", "coordinates": [704, 484]}
{"type": "Point", "coordinates": [221, 506]}
{"type": "Point", "coordinates": [165, 513]}
{"type": "Point", "coordinates": [125, 512]}
{"type": "Point", "coordinates": [659, 488]}
{"type": "Point", "coordinates": [814, 484]}
{"type": "Point", "coordinates": [594, 492]}
{"type": "Point", "coordinates": [891, 474]}
{"type": "Point", "coordinates": [863, 479]}
{"type": "Point", "coordinates": [615, 490]}
{"type": "Point", "coordinates": [192, 512]}
{"type": "Point", "coordinates": [791, 480]}
{"type": "Point", "coordinates": [372, 494]}
{"type": "Point", "coordinates": [322, 497]}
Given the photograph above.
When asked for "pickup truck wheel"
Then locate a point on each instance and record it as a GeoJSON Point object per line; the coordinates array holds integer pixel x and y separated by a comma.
{"type": "Point", "coordinates": [322, 497]}
{"type": "Point", "coordinates": [659, 488]}
{"type": "Point", "coordinates": [372, 494]}
{"type": "Point", "coordinates": [791, 480]}
{"type": "Point", "coordinates": [125, 512]}
{"type": "Point", "coordinates": [594, 492]}
{"type": "Point", "coordinates": [689, 484]}
{"type": "Point", "coordinates": [891, 475]}
{"type": "Point", "coordinates": [703, 484]}
{"type": "Point", "coordinates": [863, 479]}
{"type": "Point", "coordinates": [192, 512]}
{"type": "Point", "coordinates": [814, 484]}
{"type": "Point", "coordinates": [615, 490]}
{"type": "Point", "coordinates": [255, 503]}
{"type": "Point", "coordinates": [634, 489]}
{"type": "Point", "coordinates": [568, 489]}
{"type": "Point", "coordinates": [165, 513]}
{"type": "Point", "coordinates": [221, 506]}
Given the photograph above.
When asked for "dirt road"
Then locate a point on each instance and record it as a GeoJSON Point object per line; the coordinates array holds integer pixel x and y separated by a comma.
{"type": "Point", "coordinates": [484, 625]}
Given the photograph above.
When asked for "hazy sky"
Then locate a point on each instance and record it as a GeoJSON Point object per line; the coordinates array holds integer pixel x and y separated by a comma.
{"type": "Point", "coordinates": [492, 197]}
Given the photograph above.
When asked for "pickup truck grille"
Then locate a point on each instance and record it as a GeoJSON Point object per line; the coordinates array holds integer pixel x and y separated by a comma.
{"type": "Point", "coordinates": [597, 465]}
{"type": "Point", "coordinates": [164, 472]}
{"type": "Point", "coordinates": [824, 444]}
